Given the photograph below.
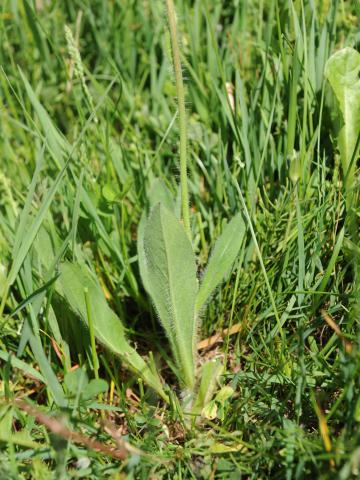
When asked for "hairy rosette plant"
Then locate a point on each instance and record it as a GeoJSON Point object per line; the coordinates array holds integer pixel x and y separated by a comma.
{"type": "Point", "coordinates": [168, 264]}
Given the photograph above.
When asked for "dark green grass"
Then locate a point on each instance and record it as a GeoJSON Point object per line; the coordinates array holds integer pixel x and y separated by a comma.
{"type": "Point", "coordinates": [290, 371]}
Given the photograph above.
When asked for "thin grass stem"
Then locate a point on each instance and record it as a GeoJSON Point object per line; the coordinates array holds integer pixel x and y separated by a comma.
{"type": "Point", "coordinates": [182, 115]}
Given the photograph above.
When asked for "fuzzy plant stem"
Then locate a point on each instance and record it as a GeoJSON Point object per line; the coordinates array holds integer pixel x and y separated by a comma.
{"type": "Point", "coordinates": [185, 212]}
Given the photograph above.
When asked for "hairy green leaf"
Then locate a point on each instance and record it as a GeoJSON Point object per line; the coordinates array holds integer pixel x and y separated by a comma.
{"type": "Point", "coordinates": [159, 193]}
{"type": "Point", "coordinates": [141, 252]}
{"type": "Point", "coordinates": [223, 256]}
{"type": "Point", "coordinates": [172, 284]}
{"type": "Point", "coordinates": [107, 326]}
{"type": "Point", "coordinates": [342, 71]}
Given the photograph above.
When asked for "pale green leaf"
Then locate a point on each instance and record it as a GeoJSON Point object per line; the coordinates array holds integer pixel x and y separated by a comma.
{"type": "Point", "coordinates": [224, 394]}
{"type": "Point", "coordinates": [159, 193]}
{"type": "Point", "coordinates": [141, 252]}
{"type": "Point", "coordinates": [222, 448]}
{"type": "Point", "coordinates": [210, 374]}
{"type": "Point", "coordinates": [222, 258]}
{"type": "Point", "coordinates": [343, 73]}
{"type": "Point", "coordinates": [210, 410]}
{"type": "Point", "coordinates": [172, 284]}
{"type": "Point", "coordinates": [107, 326]}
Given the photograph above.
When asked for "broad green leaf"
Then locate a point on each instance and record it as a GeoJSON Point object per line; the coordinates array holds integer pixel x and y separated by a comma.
{"type": "Point", "coordinates": [159, 193]}
{"type": "Point", "coordinates": [76, 380]}
{"type": "Point", "coordinates": [342, 71]}
{"type": "Point", "coordinates": [95, 387]}
{"type": "Point", "coordinates": [172, 284]}
{"type": "Point", "coordinates": [107, 326]}
{"type": "Point", "coordinates": [223, 256]}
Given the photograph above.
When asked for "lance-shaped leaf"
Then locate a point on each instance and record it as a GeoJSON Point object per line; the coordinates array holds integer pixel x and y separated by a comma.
{"type": "Point", "coordinates": [159, 193]}
{"type": "Point", "coordinates": [107, 326]}
{"type": "Point", "coordinates": [342, 71]}
{"type": "Point", "coordinates": [172, 284]}
{"type": "Point", "coordinates": [222, 257]}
